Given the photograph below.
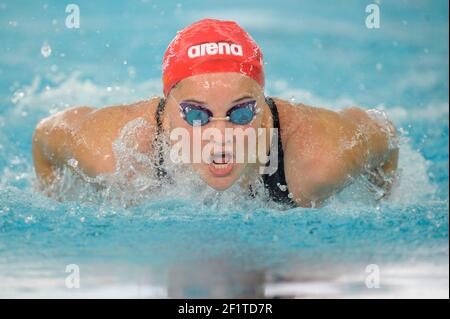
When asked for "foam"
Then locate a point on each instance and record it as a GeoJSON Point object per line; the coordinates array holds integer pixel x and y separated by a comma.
{"type": "Point", "coordinates": [73, 90]}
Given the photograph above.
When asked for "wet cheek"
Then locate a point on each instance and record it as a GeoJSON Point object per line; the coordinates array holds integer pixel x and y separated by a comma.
{"type": "Point", "coordinates": [178, 122]}
{"type": "Point", "coordinates": [241, 140]}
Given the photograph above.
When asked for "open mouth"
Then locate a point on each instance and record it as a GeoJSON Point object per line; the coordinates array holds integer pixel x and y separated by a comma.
{"type": "Point", "coordinates": [221, 164]}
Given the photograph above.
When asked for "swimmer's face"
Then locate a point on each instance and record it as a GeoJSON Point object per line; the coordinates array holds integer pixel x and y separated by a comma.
{"type": "Point", "coordinates": [217, 92]}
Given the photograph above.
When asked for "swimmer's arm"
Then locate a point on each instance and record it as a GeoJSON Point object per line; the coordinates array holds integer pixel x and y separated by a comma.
{"type": "Point", "coordinates": [87, 135]}
{"type": "Point", "coordinates": [83, 134]}
{"type": "Point", "coordinates": [54, 141]}
{"type": "Point", "coordinates": [328, 149]}
{"type": "Point", "coordinates": [382, 147]}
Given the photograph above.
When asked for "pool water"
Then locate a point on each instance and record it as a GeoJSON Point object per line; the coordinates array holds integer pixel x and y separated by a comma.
{"type": "Point", "coordinates": [187, 240]}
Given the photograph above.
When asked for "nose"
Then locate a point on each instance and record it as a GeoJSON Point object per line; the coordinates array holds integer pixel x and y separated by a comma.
{"type": "Point", "coordinates": [223, 138]}
{"type": "Point", "coordinates": [219, 122]}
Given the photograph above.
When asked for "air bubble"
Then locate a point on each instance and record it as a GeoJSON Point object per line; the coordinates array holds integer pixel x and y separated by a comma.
{"type": "Point", "coordinates": [46, 50]}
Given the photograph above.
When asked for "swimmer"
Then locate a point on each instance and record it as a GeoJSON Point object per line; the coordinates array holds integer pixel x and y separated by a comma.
{"type": "Point", "coordinates": [213, 77]}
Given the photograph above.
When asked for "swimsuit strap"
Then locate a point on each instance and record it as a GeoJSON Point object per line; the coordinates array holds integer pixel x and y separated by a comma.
{"type": "Point", "coordinates": [159, 112]}
{"type": "Point", "coordinates": [158, 144]}
{"type": "Point", "coordinates": [277, 181]}
{"type": "Point", "coordinates": [276, 124]}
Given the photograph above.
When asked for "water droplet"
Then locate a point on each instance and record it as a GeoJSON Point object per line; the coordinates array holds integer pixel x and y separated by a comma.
{"type": "Point", "coordinates": [17, 96]}
{"type": "Point", "coordinates": [46, 50]}
{"type": "Point", "coordinates": [131, 71]}
{"type": "Point", "coordinates": [178, 9]}
{"type": "Point", "coordinates": [28, 219]}
{"type": "Point", "coordinates": [72, 162]}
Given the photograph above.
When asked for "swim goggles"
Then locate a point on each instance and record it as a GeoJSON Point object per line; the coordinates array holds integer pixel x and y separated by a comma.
{"type": "Point", "coordinates": [240, 114]}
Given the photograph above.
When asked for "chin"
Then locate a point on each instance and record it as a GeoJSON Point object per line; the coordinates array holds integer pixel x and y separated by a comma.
{"type": "Point", "coordinates": [219, 183]}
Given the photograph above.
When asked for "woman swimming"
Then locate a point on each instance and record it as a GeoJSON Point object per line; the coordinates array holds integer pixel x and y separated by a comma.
{"type": "Point", "coordinates": [213, 80]}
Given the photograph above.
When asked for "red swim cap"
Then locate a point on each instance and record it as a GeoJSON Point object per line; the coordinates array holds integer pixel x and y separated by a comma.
{"type": "Point", "coordinates": [208, 46]}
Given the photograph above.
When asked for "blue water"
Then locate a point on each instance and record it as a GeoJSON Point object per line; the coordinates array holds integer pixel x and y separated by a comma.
{"type": "Point", "coordinates": [316, 52]}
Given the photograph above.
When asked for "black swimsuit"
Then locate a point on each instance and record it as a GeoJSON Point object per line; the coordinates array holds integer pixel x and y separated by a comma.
{"type": "Point", "coordinates": [275, 183]}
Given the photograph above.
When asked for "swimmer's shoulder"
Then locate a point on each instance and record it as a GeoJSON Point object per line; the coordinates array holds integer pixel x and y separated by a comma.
{"type": "Point", "coordinates": [103, 126]}
{"type": "Point", "coordinates": [310, 129]}
{"type": "Point", "coordinates": [87, 134]}
{"type": "Point", "coordinates": [293, 116]}
{"type": "Point", "coordinates": [119, 115]}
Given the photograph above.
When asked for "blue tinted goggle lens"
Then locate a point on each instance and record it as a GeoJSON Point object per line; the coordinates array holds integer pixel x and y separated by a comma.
{"type": "Point", "coordinates": [197, 117]}
{"type": "Point", "coordinates": [240, 114]}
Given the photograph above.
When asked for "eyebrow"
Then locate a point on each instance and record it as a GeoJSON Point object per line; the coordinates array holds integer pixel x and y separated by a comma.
{"type": "Point", "coordinates": [201, 102]}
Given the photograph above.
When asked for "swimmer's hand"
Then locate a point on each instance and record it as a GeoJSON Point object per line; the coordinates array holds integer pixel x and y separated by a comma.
{"type": "Point", "coordinates": [385, 176]}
